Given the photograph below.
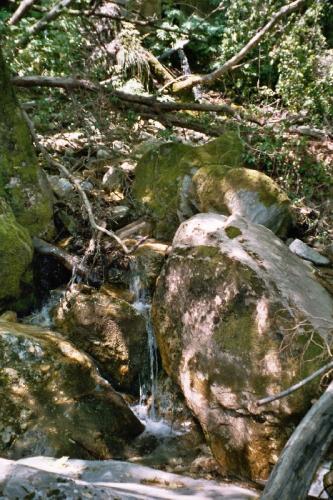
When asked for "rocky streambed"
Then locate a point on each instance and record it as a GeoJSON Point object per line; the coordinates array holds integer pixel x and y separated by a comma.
{"type": "Point", "coordinates": [160, 363]}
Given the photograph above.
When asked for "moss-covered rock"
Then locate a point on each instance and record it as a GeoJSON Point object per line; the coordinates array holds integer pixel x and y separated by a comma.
{"type": "Point", "coordinates": [22, 183]}
{"type": "Point", "coordinates": [237, 316]}
{"type": "Point", "coordinates": [54, 402]}
{"type": "Point", "coordinates": [108, 328]}
{"type": "Point", "coordinates": [245, 192]}
{"type": "Point", "coordinates": [163, 178]}
{"type": "Point", "coordinates": [15, 256]}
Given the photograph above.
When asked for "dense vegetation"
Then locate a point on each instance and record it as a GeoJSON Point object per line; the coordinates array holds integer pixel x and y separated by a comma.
{"type": "Point", "coordinates": [287, 79]}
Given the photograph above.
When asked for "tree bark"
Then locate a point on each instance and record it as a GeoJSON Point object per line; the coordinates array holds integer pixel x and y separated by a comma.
{"type": "Point", "coordinates": [154, 104]}
{"type": "Point", "coordinates": [293, 474]}
{"type": "Point", "coordinates": [210, 78]}
{"type": "Point", "coordinates": [20, 11]}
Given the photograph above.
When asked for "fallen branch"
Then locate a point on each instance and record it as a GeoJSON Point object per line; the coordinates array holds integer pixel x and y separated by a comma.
{"type": "Point", "coordinates": [70, 262]}
{"type": "Point", "coordinates": [40, 25]}
{"type": "Point", "coordinates": [69, 83]}
{"type": "Point", "coordinates": [292, 476]}
{"type": "Point", "coordinates": [210, 78]}
{"type": "Point", "coordinates": [77, 184]}
{"type": "Point", "coordinates": [295, 387]}
{"type": "Point", "coordinates": [20, 11]}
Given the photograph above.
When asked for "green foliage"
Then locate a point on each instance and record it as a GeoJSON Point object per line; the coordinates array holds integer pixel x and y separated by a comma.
{"type": "Point", "coordinates": [55, 51]}
{"type": "Point", "coordinates": [291, 163]}
{"type": "Point", "coordinates": [204, 32]}
{"type": "Point", "coordinates": [303, 84]}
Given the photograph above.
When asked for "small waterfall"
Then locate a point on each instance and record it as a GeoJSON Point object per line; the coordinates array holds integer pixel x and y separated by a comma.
{"type": "Point", "coordinates": [43, 316]}
{"type": "Point", "coordinates": [143, 305]}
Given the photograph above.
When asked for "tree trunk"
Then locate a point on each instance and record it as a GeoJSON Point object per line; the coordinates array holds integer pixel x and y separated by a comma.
{"type": "Point", "coordinates": [22, 184]}
{"type": "Point", "coordinates": [293, 474]}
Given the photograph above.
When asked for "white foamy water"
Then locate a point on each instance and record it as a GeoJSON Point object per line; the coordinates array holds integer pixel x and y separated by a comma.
{"type": "Point", "coordinates": [43, 317]}
{"type": "Point", "coordinates": [143, 306]}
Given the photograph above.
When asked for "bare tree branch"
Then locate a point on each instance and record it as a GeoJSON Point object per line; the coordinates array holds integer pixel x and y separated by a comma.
{"type": "Point", "coordinates": [210, 78]}
{"type": "Point", "coordinates": [20, 11]}
{"type": "Point", "coordinates": [67, 83]}
{"type": "Point", "coordinates": [153, 103]}
{"type": "Point", "coordinates": [295, 387]}
{"type": "Point", "coordinates": [69, 261]}
{"type": "Point", "coordinates": [40, 25]}
{"type": "Point", "coordinates": [293, 474]}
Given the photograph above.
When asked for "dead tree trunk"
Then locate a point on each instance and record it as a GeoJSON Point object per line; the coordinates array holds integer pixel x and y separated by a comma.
{"type": "Point", "coordinates": [292, 475]}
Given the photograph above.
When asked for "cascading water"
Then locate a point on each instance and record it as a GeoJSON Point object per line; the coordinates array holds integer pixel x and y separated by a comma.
{"type": "Point", "coordinates": [143, 306]}
{"type": "Point", "coordinates": [147, 413]}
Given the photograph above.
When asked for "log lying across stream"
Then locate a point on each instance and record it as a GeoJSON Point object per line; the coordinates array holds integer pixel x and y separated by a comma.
{"type": "Point", "coordinates": [292, 476]}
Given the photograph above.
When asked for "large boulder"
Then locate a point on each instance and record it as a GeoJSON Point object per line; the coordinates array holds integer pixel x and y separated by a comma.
{"type": "Point", "coordinates": [15, 257]}
{"type": "Point", "coordinates": [175, 181]}
{"type": "Point", "coordinates": [163, 178]}
{"type": "Point", "coordinates": [22, 183]}
{"type": "Point", "coordinates": [245, 192]}
{"type": "Point", "coordinates": [238, 316]}
{"type": "Point", "coordinates": [109, 329]}
{"type": "Point", "coordinates": [54, 402]}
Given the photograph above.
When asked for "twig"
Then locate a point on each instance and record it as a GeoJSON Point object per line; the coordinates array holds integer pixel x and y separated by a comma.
{"type": "Point", "coordinates": [77, 185]}
{"type": "Point", "coordinates": [295, 387]}
{"type": "Point", "coordinates": [210, 78]}
{"type": "Point", "coordinates": [20, 11]}
{"type": "Point", "coordinates": [40, 25]}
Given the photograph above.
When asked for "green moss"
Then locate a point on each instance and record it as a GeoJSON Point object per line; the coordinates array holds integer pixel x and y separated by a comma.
{"type": "Point", "coordinates": [21, 181]}
{"type": "Point", "coordinates": [15, 254]}
{"type": "Point", "coordinates": [160, 173]}
{"type": "Point", "coordinates": [253, 180]}
{"type": "Point", "coordinates": [212, 184]}
{"type": "Point", "coordinates": [232, 232]}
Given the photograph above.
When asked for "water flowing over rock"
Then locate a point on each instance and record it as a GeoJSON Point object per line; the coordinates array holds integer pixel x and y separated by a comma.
{"type": "Point", "coordinates": [108, 328]}
{"type": "Point", "coordinates": [238, 316]}
{"type": "Point", "coordinates": [53, 400]}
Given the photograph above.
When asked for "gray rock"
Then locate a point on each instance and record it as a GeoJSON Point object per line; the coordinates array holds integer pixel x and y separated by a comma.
{"type": "Point", "coordinates": [120, 212]}
{"type": "Point", "coordinates": [234, 314]}
{"type": "Point", "coordinates": [301, 249]}
{"type": "Point", "coordinates": [61, 186]}
{"type": "Point", "coordinates": [103, 154]}
{"type": "Point", "coordinates": [110, 479]}
{"type": "Point", "coordinates": [87, 186]}
{"type": "Point", "coordinates": [113, 178]}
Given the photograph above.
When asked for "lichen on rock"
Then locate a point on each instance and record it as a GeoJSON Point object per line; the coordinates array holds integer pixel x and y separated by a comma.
{"type": "Point", "coordinates": [237, 316]}
{"type": "Point", "coordinates": [108, 328]}
{"type": "Point", "coordinates": [245, 192]}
